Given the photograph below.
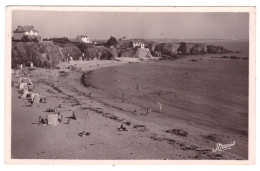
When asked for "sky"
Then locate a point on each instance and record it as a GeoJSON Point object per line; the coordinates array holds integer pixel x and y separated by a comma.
{"type": "Point", "coordinates": [102, 25]}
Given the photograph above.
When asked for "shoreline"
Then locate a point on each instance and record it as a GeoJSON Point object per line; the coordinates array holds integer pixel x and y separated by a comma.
{"type": "Point", "coordinates": [230, 133]}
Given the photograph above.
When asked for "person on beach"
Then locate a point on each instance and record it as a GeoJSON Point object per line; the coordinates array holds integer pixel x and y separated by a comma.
{"type": "Point", "coordinates": [160, 106]}
{"type": "Point", "coordinates": [39, 120]}
{"type": "Point", "coordinates": [137, 87]}
{"type": "Point", "coordinates": [149, 111]}
{"type": "Point", "coordinates": [59, 117]}
{"type": "Point", "coordinates": [123, 97]}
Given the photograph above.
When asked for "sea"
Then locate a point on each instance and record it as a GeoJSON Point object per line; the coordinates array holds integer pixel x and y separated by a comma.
{"type": "Point", "coordinates": [210, 92]}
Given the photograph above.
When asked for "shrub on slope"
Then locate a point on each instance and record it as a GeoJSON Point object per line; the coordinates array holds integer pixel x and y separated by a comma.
{"type": "Point", "coordinates": [25, 52]}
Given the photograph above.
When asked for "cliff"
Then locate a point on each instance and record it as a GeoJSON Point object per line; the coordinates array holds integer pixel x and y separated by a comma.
{"type": "Point", "coordinates": [167, 50]}
{"type": "Point", "coordinates": [49, 54]}
{"type": "Point", "coordinates": [25, 52]}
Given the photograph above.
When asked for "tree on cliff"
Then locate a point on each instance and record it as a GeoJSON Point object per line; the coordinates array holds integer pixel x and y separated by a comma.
{"type": "Point", "coordinates": [112, 41]}
{"type": "Point", "coordinates": [30, 39]}
{"type": "Point", "coordinates": [25, 39]}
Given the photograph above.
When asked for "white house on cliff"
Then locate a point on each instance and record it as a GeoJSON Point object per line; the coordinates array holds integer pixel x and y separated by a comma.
{"type": "Point", "coordinates": [83, 39]}
{"type": "Point", "coordinates": [138, 44]}
{"type": "Point", "coordinates": [24, 30]}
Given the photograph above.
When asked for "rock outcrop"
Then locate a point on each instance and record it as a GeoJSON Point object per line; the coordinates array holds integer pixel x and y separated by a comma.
{"type": "Point", "coordinates": [198, 49]}
{"type": "Point", "coordinates": [170, 49]}
{"type": "Point", "coordinates": [217, 49]}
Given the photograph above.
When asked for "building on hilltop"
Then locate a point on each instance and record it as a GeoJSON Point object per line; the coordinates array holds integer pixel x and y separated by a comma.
{"type": "Point", "coordinates": [22, 31]}
{"type": "Point", "coordinates": [138, 44]}
{"type": "Point", "coordinates": [83, 39]}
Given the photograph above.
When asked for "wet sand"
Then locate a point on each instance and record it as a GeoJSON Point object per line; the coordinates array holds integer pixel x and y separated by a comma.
{"type": "Point", "coordinates": [102, 114]}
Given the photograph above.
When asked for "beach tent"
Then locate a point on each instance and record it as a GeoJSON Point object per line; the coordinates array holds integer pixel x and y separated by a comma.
{"type": "Point", "coordinates": [25, 88]}
{"type": "Point", "coordinates": [20, 79]}
{"type": "Point", "coordinates": [25, 94]}
{"type": "Point", "coordinates": [21, 86]}
{"type": "Point", "coordinates": [28, 88]}
{"type": "Point", "coordinates": [27, 80]}
{"type": "Point", "coordinates": [36, 99]}
{"type": "Point", "coordinates": [81, 113]}
{"type": "Point", "coordinates": [33, 95]}
{"type": "Point", "coordinates": [53, 119]}
{"type": "Point", "coordinates": [17, 72]}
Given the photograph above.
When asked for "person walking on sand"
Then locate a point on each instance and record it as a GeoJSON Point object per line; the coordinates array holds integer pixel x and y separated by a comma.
{"type": "Point", "coordinates": [137, 87]}
{"type": "Point", "coordinates": [160, 106]}
{"type": "Point", "coordinates": [123, 97]}
{"type": "Point", "coordinates": [149, 111]}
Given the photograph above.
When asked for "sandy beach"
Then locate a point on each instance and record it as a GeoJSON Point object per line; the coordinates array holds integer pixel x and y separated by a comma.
{"type": "Point", "coordinates": [102, 114]}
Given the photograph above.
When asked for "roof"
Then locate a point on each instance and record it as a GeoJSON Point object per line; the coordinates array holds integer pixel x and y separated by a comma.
{"type": "Point", "coordinates": [22, 29]}
{"type": "Point", "coordinates": [137, 41]}
{"type": "Point", "coordinates": [82, 36]}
